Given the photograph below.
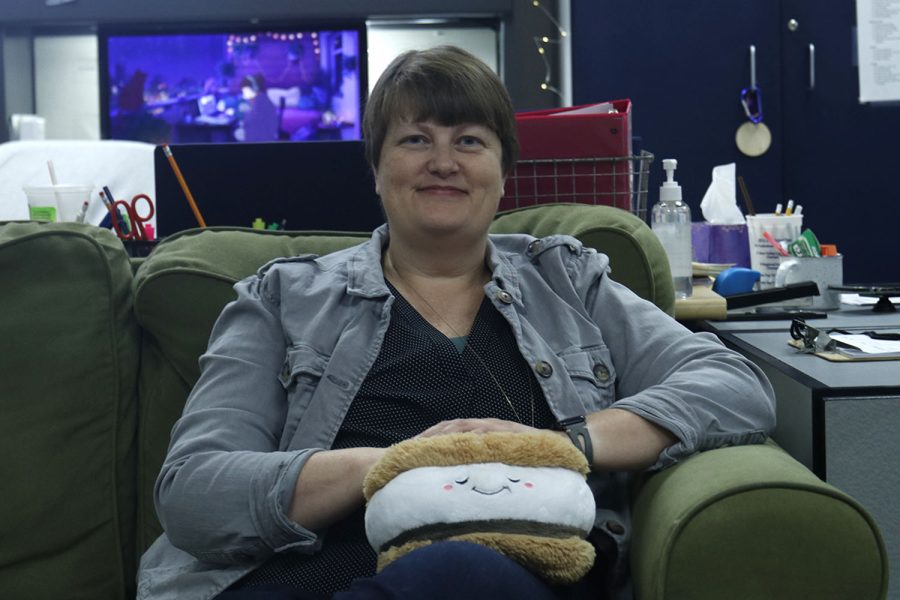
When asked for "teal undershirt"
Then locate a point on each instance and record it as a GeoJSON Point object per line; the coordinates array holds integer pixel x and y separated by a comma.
{"type": "Point", "coordinates": [459, 342]}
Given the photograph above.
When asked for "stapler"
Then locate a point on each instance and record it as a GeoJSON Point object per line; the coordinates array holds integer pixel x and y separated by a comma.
{"type": "Point", "coordinates": [736, 286]}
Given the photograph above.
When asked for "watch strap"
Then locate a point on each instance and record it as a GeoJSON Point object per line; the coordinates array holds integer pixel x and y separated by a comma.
{"type": "Point", "coordinates": [576, 429]}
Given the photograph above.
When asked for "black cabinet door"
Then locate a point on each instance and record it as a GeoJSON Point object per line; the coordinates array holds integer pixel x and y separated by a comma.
{"type": "Point", "coordinates": [841, 157]}
{"type": "Point", "coordinates": [684, 63]}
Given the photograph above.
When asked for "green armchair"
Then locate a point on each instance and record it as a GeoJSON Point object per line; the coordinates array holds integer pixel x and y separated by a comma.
{"type": "Point", "coordinates": [99, 352]}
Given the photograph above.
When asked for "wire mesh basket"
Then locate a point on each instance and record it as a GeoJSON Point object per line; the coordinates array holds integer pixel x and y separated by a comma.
{"type": "Point", "coordinates": [619, 181]}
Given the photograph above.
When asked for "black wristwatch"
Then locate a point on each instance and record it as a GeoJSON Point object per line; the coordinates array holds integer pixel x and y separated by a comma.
{"type": "Point", "coordinates": [576, 429]}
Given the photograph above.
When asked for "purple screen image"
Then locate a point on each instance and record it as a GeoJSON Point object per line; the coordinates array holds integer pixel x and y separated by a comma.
{"type": "Point", "coordinates": [234, 87]}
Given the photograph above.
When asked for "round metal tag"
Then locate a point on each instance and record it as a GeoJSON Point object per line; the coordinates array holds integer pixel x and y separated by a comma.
{"type": "Point", "coordinates": [753, 139]}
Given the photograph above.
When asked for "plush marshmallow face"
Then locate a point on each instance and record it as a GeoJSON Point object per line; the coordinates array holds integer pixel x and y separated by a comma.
{"type": "Point", "coordinates": [478, 492]}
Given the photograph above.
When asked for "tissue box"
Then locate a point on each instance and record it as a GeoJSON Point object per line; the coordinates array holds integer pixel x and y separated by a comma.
{"type": "Point", "coordinates": [720, 244]}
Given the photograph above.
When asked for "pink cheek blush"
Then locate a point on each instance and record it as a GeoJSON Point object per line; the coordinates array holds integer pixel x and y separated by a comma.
{"type": "Point", "coordinates": [528, 484]}
{"type": "Point", "coordinates": [448, 487]}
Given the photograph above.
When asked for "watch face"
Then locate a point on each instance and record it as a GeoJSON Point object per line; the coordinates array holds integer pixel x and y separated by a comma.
{"type": "Point", "coordinates": [753, 139]}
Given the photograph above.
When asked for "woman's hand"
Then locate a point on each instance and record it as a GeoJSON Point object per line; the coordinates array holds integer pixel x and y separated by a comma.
{"type": "Point", "coordinates": [622, 441]}
{"type": "Point", "coordinates": [475, 426]}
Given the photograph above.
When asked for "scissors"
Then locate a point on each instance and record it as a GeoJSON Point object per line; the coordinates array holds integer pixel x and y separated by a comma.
{"type": "Point", "coordinates": [130, 225]}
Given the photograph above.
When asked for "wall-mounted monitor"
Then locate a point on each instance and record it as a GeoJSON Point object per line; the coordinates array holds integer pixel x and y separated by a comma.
{"type": "Point", "coordinates": [233, 83]}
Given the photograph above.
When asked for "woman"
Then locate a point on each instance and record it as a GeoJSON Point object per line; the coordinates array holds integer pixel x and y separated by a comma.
{"type": "Point", "coordinates": [431, 327]}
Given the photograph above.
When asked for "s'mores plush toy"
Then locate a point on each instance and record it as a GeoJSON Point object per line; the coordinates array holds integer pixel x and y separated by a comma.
{"type": "Point", "coordinates": [524, 495]}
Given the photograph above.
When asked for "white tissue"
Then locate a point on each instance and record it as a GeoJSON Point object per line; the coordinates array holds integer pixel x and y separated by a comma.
{"type": "Point", "coordinates": [719, 205]}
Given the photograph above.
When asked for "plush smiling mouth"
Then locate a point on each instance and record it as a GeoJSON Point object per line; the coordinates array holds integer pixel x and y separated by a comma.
{"type": "Point", "coordinates": [491, 492]}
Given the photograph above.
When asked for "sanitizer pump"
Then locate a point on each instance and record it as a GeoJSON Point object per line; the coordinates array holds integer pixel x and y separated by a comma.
{"type": "Point", "coordinates": [671, 222]}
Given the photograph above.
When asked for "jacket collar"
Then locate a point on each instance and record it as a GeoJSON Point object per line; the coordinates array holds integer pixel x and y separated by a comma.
{"type": "Point", "coordinates": [365, 276]}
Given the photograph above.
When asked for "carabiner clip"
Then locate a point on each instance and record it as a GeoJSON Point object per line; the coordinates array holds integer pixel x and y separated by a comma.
{"type": "Point", "coordinates": [751, 99]}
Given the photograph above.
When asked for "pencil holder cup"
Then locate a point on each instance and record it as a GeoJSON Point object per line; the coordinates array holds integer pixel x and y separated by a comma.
{"type": "Point", "coordinates": [764, 257]}
{"type": "Point", "coordinates": [62, 202]}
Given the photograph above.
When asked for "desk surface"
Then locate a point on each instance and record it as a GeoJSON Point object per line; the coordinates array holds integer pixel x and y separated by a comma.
{"type": "Point", "coordinates": [768, 341]}
{"type": "Point", "coordinates": [846, 317]}
{"type": "Point", "coordinates": [703, 304]}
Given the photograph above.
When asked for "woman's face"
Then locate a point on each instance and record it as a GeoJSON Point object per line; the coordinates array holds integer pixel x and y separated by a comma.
{"type": "Point", "coordinates": [437, 180]}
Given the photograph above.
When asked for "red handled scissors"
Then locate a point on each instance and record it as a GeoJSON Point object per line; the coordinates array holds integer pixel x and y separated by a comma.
{"type": "Point", "coordinates": [128, 218]}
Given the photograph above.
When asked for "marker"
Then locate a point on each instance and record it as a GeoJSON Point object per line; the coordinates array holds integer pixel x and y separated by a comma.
{"type": "Point", "coordinates": [778, 209]}
{"type": "Point", "coordinates": [790, 208]}
{"type": "Point", "coordinates": [775, 244]}
{"type": "Point", "coordinates": [799, 210]}
{"type": "Point", "coordinates": [79, 218]}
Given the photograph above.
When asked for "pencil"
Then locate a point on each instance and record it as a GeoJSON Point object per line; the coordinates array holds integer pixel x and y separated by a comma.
{"type": "Point", "coordinates": [746, 194]}
{"type": "Point", "coordinates": [184, 187]}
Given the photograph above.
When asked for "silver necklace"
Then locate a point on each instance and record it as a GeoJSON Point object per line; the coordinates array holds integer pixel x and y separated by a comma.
{"type": "Point", "coordinates": [468, 346]}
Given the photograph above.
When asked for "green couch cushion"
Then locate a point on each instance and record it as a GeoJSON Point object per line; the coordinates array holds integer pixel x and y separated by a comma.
{"type": "Point", "coordinates": [745, 522]}
{"type": "Point", "coordinates": [180, 289]}
{"type": "Point", "coordinates": [636, 256]}
{"type": "Point", "coordinates": [68, 403]}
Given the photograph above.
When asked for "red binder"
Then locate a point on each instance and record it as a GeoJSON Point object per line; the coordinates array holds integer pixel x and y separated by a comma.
{"type": "Point", "coordinates": [575, 154]}
{"type": "Point", "coordinates": [589, 130]}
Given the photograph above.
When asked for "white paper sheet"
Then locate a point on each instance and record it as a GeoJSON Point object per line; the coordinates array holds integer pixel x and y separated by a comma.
{"type": "Point", "coordinates": [867, 345]}
{"type": "Point", "coordinates": [878, 44]}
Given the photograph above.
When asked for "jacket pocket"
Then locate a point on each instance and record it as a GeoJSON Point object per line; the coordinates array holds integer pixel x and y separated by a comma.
{"type": "Point", "coordinates": [593, 375]}
{"type": "Point", "coordinates": [300, 375]}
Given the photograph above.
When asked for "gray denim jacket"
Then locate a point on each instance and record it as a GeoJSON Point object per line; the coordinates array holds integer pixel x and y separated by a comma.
{"type": "Point", "coordinates": [287, 357]}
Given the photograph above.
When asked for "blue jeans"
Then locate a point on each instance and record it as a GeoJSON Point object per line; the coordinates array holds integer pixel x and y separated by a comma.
{"type": "Point", "coordinates": [451, 571]}
{"type": "Point", "coordinates": [440, 571]}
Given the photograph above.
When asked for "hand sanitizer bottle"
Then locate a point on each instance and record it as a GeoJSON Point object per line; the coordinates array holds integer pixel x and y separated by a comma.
{"type": "Point", "coordinates": [671, 222]}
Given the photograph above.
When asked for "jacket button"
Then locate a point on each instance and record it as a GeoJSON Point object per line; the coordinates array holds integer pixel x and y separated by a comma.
{"type": "Point", "coordinates": [504, 297]}
{"type": "Point", "coordinates": [601, 372]}
{"type": "Point", "coordinates": [535, 247]}
{"type": "Point", "coordinates": [543, 368]}
{"type": "Point", "coordinates": [615, 527]}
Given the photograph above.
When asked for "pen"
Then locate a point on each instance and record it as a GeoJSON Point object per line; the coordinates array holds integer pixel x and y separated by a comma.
{"type": "Point", "coordinates": [799, 210]}
{"type": "Point", "coordinates": [790, 208]}
{"type": "Point", "coordinates": [184, 187]}
{"type": "Point", "coordinates": [778, 209]}
{"type": "Point", "coordinates": [121, 217]}
{"type": "Point", "coordinates": [116, 219]}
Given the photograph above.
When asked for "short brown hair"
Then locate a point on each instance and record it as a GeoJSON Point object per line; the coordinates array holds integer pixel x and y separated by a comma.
{"type": "Point", "coordinates": [445, 84]}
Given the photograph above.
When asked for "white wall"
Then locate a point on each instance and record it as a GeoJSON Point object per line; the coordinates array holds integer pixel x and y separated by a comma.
{"type": "Point", "coordinates": [67, 86]}
{"type": "Point", "coordinates": [387, 41]}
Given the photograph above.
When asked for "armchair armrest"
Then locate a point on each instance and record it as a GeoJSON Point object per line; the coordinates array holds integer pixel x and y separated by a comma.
{"type": "Point", "coordinates": [752, 522]}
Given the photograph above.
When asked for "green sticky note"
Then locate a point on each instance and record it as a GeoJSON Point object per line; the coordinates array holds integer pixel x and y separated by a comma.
{"type": "Point", "coordinates": [42, 213]}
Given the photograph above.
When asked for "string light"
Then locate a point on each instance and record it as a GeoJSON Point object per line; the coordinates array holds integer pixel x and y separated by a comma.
{"type": "Point", "coordinates": [237, 42]}
{"type": "Point", "coordinates": [541, 42]}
